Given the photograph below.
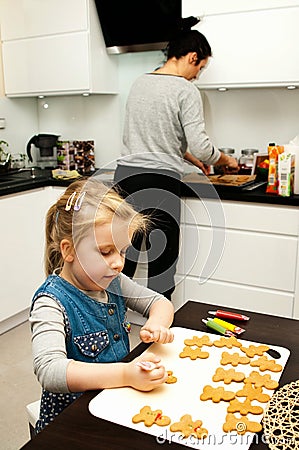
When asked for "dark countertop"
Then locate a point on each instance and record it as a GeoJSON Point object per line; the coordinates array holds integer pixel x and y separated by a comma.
{"type": "Point", "coordinates": [17, 182]}
{"type": "Point", "coordinates": [77, 428]}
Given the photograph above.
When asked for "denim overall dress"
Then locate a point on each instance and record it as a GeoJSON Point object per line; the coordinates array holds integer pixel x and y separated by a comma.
{"type": "Point", "coordinates": [95, 332]}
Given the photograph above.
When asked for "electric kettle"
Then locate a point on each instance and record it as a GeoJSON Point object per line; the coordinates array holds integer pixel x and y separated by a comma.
{"type": "Point", "coordinates": [46, 153]}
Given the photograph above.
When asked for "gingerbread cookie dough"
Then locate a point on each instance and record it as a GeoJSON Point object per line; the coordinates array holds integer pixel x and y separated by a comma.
{"type": "Point", "coordinates": [216, 394]}
{"type": "Point", "coordinates": [193, 353]}
{"type": "Point", "coordinates": [228, 375]}
{"type": "Point", "coordinates": [189, 427]}
{"type": "Point", "coordinates": [150, 417]}
{"type": "Point", "coordinates": [234, 359]}
{"type": "Point", "coordinates": [240, 425]}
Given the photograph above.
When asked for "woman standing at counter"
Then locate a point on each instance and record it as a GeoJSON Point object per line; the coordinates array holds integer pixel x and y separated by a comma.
{"type": "Point", "coordinates": [164, 118]}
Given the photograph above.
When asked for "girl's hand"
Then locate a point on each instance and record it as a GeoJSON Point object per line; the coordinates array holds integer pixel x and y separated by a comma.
{"type": "Point", "coordinates": [159, 334]}
{"type": "Point", "coordinates": [144, 379]}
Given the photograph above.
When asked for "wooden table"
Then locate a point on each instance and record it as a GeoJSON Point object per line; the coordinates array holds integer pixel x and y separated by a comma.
{"type": "Point", "coordinates": [76, 428]}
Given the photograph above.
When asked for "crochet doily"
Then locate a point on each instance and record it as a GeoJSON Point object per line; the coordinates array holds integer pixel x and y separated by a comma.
{"type": "Point", "coordinates": [281, 418]}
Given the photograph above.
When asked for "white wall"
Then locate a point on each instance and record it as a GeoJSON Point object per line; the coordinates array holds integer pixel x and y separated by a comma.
{"type": "Point", "coordinates": [251, 118]}
{"type": "Point", "coordinates": [21, 122]}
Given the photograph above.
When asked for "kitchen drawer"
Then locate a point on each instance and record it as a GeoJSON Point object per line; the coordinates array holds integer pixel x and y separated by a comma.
{"type": "Point", "coordinates": [256, 259]}
{"type": "Point", "coordinates": [240, 297]}
{"type": "Point", "coordinates": [242, 216]}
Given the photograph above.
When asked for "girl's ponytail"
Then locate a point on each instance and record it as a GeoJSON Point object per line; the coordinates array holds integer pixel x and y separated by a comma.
{"type": "Point", "coordinates": [53, 258]}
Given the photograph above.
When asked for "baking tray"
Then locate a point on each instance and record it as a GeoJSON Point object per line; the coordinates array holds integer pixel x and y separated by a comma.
{"type": "Point", "coordinates": [237, 181]}
{"type": "Point", "coordinates": [182, 397]}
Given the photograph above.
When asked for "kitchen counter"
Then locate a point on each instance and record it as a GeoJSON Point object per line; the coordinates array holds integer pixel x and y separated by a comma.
{"type": "Point", "coordinates": [17, 182]}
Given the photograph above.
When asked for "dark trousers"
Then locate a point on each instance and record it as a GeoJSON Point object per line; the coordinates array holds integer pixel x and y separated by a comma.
{"type": "Point", "coordinates": [157, 194]}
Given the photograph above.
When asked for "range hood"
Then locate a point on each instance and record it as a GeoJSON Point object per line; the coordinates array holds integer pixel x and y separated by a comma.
{"type": "Point", "coordinates": [135, 26]}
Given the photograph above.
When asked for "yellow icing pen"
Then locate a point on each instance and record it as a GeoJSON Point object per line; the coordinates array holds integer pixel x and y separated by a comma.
{"type": "Point", "coordinates": [229, 326]}
{"type": "Point", "coordinates": [217, 327]}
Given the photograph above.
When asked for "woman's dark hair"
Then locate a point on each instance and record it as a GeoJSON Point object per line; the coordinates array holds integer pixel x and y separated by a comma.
{"type": "Point", "coordinates": [189, 41]}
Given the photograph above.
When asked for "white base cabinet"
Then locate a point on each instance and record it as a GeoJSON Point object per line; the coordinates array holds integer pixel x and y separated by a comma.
{"type": "Point", "coordinates": [22, 252]}
{"type": "Point", "coordinates": [240, 255]}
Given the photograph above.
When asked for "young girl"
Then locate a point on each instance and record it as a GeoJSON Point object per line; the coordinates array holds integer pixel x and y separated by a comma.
{"type": "Point", "coordinates": [78, 315]}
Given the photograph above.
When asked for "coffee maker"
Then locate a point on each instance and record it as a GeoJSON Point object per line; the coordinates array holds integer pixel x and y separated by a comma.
{"type": "Point", "coordinates": [46, 150]}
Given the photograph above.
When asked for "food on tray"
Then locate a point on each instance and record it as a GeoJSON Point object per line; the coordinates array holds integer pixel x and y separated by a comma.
{"type": "Point", "coordinates": [187, 427]}
{"type": "Point", "coordinates": [240, 425]}
{"type": "Point", "coordinates": [253, 393]}
{"type": "Point", "coordinates": [150, 417]}
{"type": "Point", "coordinates": [193, 353]}
{"type": "Point", "coordinates": [261, 380]}
{"type": "Point", "coordinates": [254, 350]}
{"type": "Point", "coordinates": [228, 375]}
{"type": "Point", "coordinates": [171, 378]}
{"type": "Point", "coordinates": [234, 359]}
{"type": "Point", "coordinates": [216, 394]}
{"type": "Point", "coordinates": [199, 341]}
{"type": "Point", "coordinates": [244, 408]}
{"type": "Point", "coordinates": [231, 180]}
{"type": "Point", "coordinates": [266, 364]}
{"type": "Point", "coordinates": [228, 342]}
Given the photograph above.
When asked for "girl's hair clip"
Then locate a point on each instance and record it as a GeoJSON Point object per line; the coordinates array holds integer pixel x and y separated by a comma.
{"type": "Point", "coordinates": [70, 201]}
{"type": "Point", "coordinates": [79, 201]}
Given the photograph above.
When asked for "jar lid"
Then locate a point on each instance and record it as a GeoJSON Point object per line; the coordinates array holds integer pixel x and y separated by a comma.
{"type": "Point", "coordinates": [227, 150]}
{"type": "Point", "coordinates": [249, 151]}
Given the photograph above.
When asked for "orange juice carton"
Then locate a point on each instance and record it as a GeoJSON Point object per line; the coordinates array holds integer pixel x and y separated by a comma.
{"type": "Point", "coordinates": [273, 151]}
{"type": "Point", "coordinates": [286, 174]}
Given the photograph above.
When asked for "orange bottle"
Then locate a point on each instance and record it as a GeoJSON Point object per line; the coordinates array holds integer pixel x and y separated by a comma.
{"type": "Point", "coordinates": [273, 152]}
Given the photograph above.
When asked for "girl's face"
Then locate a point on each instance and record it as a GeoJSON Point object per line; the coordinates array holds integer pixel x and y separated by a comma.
{"type": "Point", "coordinates": [99, 257]}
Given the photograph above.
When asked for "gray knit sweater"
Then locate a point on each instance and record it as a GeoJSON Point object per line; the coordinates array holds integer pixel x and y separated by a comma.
{"type": "Point", "coordinates": [164, 118]}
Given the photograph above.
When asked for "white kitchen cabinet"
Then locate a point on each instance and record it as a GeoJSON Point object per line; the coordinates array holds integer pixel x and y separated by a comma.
{"type": "Point", "coordinates": [240, 255]}
{"type": "Point", "coordinates": [251, 49]}
{"type": "Point", "coordinates": [22, 19]}
{"type": "Point", "coordinates": [45, 56]}
{"type": "Point", "coordinates": [22, 219]}
{"type": "Point", "coordinates": [196, 8]}
{"type": "Point", "coordinates": [22, 251]}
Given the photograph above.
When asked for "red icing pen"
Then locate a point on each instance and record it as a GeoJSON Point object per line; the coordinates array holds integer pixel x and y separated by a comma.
{"type": "Point", "coordinates": [229, 315]}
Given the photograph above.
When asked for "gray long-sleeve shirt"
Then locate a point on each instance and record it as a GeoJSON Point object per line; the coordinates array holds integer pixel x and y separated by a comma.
{"type": "Point", "coordinates": [48, 331]}
{"type": "Point", "coordinates": [164, 118]}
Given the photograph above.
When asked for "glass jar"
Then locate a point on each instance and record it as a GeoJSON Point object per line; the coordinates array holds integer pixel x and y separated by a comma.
{"type": "Point", "coordinates": [221, 170]}
{"type": "Point", "coordinates": [246, 160]}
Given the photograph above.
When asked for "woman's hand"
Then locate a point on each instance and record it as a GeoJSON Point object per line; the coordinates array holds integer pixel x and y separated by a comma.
{"type": "Point", "coordinates": [145, 379]}
{"type": "Point", "coordinates": [150, 333]}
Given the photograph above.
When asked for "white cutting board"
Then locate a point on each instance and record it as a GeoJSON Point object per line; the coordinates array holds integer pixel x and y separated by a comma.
{"type": "Point", "coordinates": [121, 404]}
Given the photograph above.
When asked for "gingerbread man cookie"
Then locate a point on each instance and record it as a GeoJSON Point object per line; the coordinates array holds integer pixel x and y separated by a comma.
{"type": "Point", "coordinates": [171, 378]}
{"type": "Point", "coordinates": [216, 394]}
{"type": "Point", "coordinates": [199, 341]}
{"type": "Point", "coordinates": [228, 342]}
{"type": "Point", "coordinates": [234, 359]}
{"type": "Point", "coordinates": [253, 393]}
{"type": "Point", "coordinates": [187, 427]}
{"type": "Point", "coordinates": [244, 408]}
{"type": "Point", "coordinates": [150, 417]}
{"type": "Point", "coordinates": [261, 380]}
{"type": "Point", "coordinates": [193, 353]}
{"type": "Point", "coordinates": [228, 375]}
{"type": "Point", "coordinates": [241, 426]}
{"type": "Point", "coordinates": [255, 350]}
{"type": "Point", "coordinates": [266, 364]}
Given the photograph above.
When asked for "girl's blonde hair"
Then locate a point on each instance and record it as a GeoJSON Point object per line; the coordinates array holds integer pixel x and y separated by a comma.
{"type": "Point", "coordinates": [85, 203]}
